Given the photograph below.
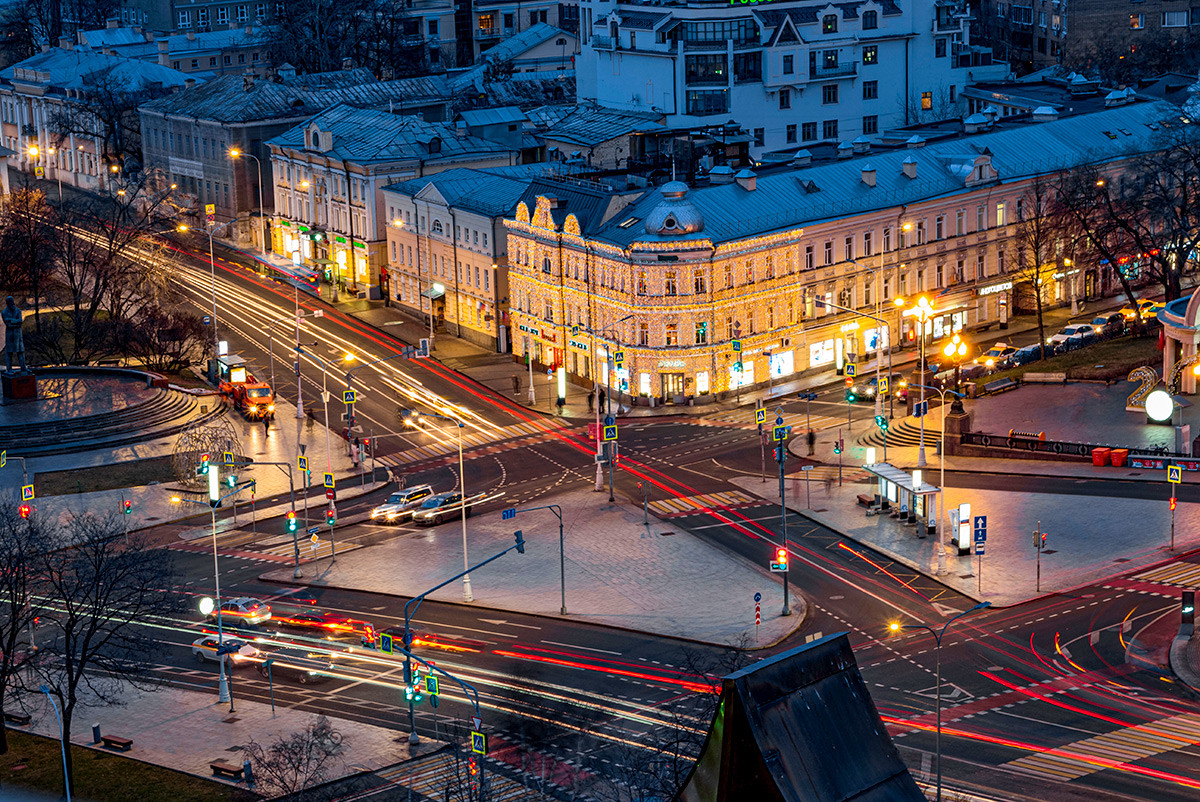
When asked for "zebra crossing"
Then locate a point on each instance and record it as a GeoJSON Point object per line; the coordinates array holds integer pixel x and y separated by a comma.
{"type": "Point", "coordinates": [1181, 574]}
{"type": "Point", "coordinates": [471, 440]}
{"type": "Point", "coordinates": [443, 776]}
{"type": "Point", "coordinates": [819, 473]}
{"type": "Point", "coordinates": [689, 505]}
{"type": "Point", "coordinates": [1112, 749]}
{"type": "Point", "coordinates": [744, 418]}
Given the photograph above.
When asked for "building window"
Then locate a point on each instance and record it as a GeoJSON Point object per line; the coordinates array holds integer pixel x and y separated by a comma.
{"type": "Point", "coordinates": [939, 47]}
{"type": "Point", "coordinates": [940, 275]}
{"type": "Point", "coordinates": [707, 101]}
{"type": "Point", "coordinates": [980, 266]}
{"type": "Point", "coordinates": [432, 28]}
{"type": "Point", "coordinates": [926, 101]}
{"type": "Point", "coordinates": [808, 257]}
{"type": "Point", "coordinates": [671, 287]}
{"type": "Point", "coordinates": [770, 318]}
{"type": "Point", "coordinates": [960, 223]}
{"type": "Point", "coordinates": [831, 129]}
{"type": "Point", "coordinates": [770, 266]}
{"type": "Point", "coordinates": [870, 20]}
{"type": "Point", "coordinates": [829, 23]}
{"type": "Point", "coordinates": [870, 90]}
{"type": "Point", "coordinates": [808, 132]}
{"type": "Point", "coordinates": [223, 16]}
{"type": "Point", "coordinates": [643, 334]}
{"type": "Point", "coordinates": [1000, 263]}
{"type": "Point", "coordinates": [701, 332]}
{"type": "Point", "coordinates": [791, 134]}
{"type": "Point", "coordinates": [260, 10]}
{"type": "Point", "coordinates": [549, 308]}
{"type": "Point", "coordinates": [829, 94]}
{"type": "Point", "coordinates": [870, 54]}
{"type": "Point", "coordinates": [698, 282]}
{"type": "Point", "coordinates": [759, 137]}
{"type": "Point", "coordinates": [212, 62]}
{"type": "Point", "coordinates": [939, 227]}
{"type": "Point", "coordinates": [729, 327]}
{"type": "Point", "coordinates": [243, 13]}
{"type": "Point", "coordinates": [887, 239]}
{"type": "Point", "coordinates": [749, 272]}
{"type": "Point", "coordinates": [867, 244]}
{"type": "Point", "coordinates": [185, 21]}
{"type": "Point", "coordinates": [1000, 213]}
{"type": "Point", "coordinates": [1137, 21]}
{"type": "Point", "coordinates": [1173, 19]}
{"type": "Point", "coordinates": [202, 17]}
{"type": "Point", "coordinates": [789, 64]}
{"type": "Point", "coordinates": [981, 218]}
{"type": "Point", "coordinates": [870, 124]}
{"type": "Point", "coordinates": [672, 334]}
{"type": "Point", "coordinates": [920, 232]}
{"type": "Point", "coordinates": [830, 59]}
{"type": "Point", "coordinates": [785, 98]}
{"type": "Point", "coordinates": [828, 252]}
{"type": "Point", "coordinates": [641, 282]}
{"type": "Point", "coordinates": [848, 249]}
{"type": "Point", "coordinates": [728, 276]}
{"type": "Point", "coordinates": [1020, 208]}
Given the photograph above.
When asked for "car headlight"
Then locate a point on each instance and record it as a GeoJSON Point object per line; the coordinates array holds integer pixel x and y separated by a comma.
{"type": "Point", "coordinates": [253, 408]}
{"type": "Point", "coordinates": [270, 407]}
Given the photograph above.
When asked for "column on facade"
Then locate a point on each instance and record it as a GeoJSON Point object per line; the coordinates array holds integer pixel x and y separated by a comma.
{"type": "Point", "coordinates": [1188, 383]}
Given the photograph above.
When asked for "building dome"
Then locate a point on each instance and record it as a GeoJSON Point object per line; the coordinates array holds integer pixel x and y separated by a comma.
{"type": "Point", "coordinates": [674, 215]}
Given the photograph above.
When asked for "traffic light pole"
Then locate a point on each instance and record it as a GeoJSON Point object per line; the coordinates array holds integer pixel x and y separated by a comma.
{"type": "Point", "coordinates": [562, 559]}
{"type": "Point", "coordinates": [781, 455]}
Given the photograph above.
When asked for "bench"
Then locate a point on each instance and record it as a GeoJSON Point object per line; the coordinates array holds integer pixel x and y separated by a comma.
{"type": "Point", "coordinates": [999, 386]}
{"type": "Point", "coordinates": [117, 742]}
{"type": "Point", "coordinates": [866, 501]}
{"type": "Point", "coordinates": [1045, 378]}
{"type": "Point", "coordinates": [227, 770]}
{"type": "Point", "coordinates": [20, 719]}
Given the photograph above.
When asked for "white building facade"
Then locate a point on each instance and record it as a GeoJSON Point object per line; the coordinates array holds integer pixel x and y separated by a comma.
{"type": "Point", "coordinates": [791, 73]}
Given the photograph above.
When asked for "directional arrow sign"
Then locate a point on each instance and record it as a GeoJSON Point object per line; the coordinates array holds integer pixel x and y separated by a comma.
{"type": "Point", "coordinates": [500, 622]}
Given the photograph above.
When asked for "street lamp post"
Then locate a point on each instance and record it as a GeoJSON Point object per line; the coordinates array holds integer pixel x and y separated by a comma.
{"type": "Point", "coordinates": [411, 418]}
{"type": "Point", "coordinates": [942, 469]}
{"type": "Point", "coordinates": [955, 351]}
{"type": "Point", "coordinates": [328, 449]}
{"type": "Point", "coordinates": [237, 153]}
{"type": "Point", "coordinates": [922, 310]}
{"type": "Point", "coordinates": [66, 778]}
{"type": "Point", "coordinates": [937, 638]}
{"type": "Point", "coordinates": [562, 558]}
{"type": "Point", "coordinates": [212, 263]}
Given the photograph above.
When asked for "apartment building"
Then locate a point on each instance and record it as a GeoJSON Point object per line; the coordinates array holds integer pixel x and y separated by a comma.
{"type": "Point", "coordinates": [694, 292]}
{"type": "Point", "coordinates": [791, 73]}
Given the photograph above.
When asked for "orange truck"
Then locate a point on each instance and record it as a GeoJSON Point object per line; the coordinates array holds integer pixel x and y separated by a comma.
{"type": "Point", "coordinates": [252, 397]}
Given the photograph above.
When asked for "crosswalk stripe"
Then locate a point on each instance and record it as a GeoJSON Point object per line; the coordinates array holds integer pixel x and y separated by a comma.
{"type": "Point", "coordinates": [1183, 574]}
{"type": "Point", "coordinates": [691, 504]}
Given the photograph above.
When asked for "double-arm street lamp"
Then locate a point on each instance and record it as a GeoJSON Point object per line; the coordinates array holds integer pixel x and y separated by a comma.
{"type": "Point", "coordinates": [607, 398]}
{"type": "Point", "coordinates": [937, 638]}
{"type": "Point", "coordinates": [923, 311]}
{"type": "Point", "coordinates": [412, 417]}
{"type": "Point", "coordinates": [942, 468]}
{"type": "Point", "coordinates": [236, 153]}
{"type": "Point", "coordinates": [212, 263]}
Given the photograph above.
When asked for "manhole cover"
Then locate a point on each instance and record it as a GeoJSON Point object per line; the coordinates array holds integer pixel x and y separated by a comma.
{"type": "Point", "coordinates": [230, 720]}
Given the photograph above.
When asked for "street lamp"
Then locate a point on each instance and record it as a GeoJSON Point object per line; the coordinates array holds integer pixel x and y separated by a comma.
{"type": "Point", "coordinates": [942, 468]}
{"type": "Point", "coordinates": [923, 311]}
{"type": "Point", "coordinates": [412, 417]}
{"type": "Point", "coordinates": [236, 153]}
{"type": "Point", "coordinates": [955, 351]}
{"type": "Point", "coordinates": [66, 779]}
{"type": "Point", "coordinates": [937, 637]}
{"type": "Point", "coordinates": [328, 452]}
{"type": "Point", "coordinates": [212, 264]}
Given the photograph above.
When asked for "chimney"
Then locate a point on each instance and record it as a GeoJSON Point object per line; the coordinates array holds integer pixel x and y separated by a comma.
{"type": "Point", "coordinates": [868, 174]}
{"type": "Point", "coordinates": [909, 166]}
{"type": "Point", "coordinates": [746, 180]}
{"type": "Point", "coordinates": [915, 141]}
{"type": "Point", "coordinates": [247, 82]}
{"type": "Point", "coordinates": [286, 71]}
{"type": "Point", "coordinates": [803, 158]}
{"type": "Point", "coordinates": [862, 145]}
{"type": "Point", "coordinates": [191, 36]}
{"type": "Point", "coordinates": [249, 30]}
{"type": "Point", "coordinates": [991, 113]}
{"type": "Point", "coordinates": [65, 43]}
{"type": "Point", "coordinates": [112, 22]}
{"type": "Point", "coordinates": [164, 55]}
{"type": "Point", "coordinates": [845, 150]}
{"type": "Point", "coordinates": [1046, 114]}
{"type": "Point", "coordinates": [347, 64]}
{"type": "Point", "coordinates": [189, 83]}
{"type": "Point", "coordinates": [721, 174]}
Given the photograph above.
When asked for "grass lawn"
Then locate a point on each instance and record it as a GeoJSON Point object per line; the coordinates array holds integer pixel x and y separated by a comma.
{"type": "Point", "coordinates": [1111, 359]}
{"type": "Point", "coordinates": [105, 477]}
{"type": "Point", "coordinates": [35, 762]}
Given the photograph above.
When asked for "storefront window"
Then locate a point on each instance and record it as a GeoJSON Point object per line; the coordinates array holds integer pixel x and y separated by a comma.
{"type": "Point", "coordinates": [783, 363]}
{"type": "Point", "coordinates": [821, 353]}
{"type": "Point", "coordinates": [644, 383]}
{"type": "Point", "coordinates": [702, 382]}
{"type": "Point", "coordinates": [741, 374]}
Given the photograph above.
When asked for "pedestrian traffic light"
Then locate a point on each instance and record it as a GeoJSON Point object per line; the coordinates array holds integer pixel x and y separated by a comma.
{"type": "Point", "coordinates": [231, 480]}
{"type": "Point", "coordinates": [330, 516]}
{"type": "Point", "coordinates": [837, 446]}
{"type": "Point", "coordinates": [25, 510]}
{"type": "Point", "coordinates": [473, 772]}
{"type": "Point", "coordinates": [204, 463]}
{"type": "Point", "coordinates": [780, 563]}
{"type": "Point", "coordinates": [291, 521]}
{"type": "Point", "coordinates": [128, 506]}
{"type": "Point", "coordinates": [881, 422]}
{"type": "Point", "coordinates": [1172, 503]}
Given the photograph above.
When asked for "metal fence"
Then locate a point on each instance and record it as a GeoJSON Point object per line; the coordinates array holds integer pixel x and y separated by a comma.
{"type": "Point", "coordinates": [1018, 442]}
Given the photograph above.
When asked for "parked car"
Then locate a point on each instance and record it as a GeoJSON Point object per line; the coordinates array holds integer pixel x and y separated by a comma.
{"type": "Point", "coordinates": [1030, 353]}
{"type": "Point", "coordinates": [996, 357]}
{"type": "Point", "coordinates": [400, 505]}
{"type": "Point", "coordinates": [1108, 326]}
{"type": "Point", "coordinates": [205, 648]}
{"type": "Point", "coordinates": [441, 507]}
{"type": "Point", "coordinates": [1081, 333]}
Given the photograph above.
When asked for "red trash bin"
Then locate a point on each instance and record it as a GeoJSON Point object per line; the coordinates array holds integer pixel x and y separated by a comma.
{"type": "Point", "coordinates": [1119, 455]}
{"type": "Point", "coordinates": [1101, 456]}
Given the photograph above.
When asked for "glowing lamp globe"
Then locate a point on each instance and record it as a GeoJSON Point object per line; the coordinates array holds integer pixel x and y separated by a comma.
{"type": "Point", "coordinates": [1159, 406]}
{"type": "Point", "coordinates": [207, 605]}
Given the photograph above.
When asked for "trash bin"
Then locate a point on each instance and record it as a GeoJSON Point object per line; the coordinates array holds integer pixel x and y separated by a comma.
{"type": "Point", "coordinates": [1101, 456]}
{"type": "Point", "coordinates": [1119, 455]}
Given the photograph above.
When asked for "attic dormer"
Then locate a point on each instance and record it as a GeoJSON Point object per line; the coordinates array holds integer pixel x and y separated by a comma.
{"type": "Point", "coordinates": [318, 140]}
{"type": "Point", "coordinates": [983, 170]}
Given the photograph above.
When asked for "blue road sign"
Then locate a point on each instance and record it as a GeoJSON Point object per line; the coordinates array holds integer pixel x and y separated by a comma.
{"type": "Point", "coordinates": [920, 409]}
{"type": "Point", "coordinates": [329, 480]}
{"type": "Point", "coordinates": [349, 396]}
{"type": "Point", "coordinates": [760, 415]}
{"type": "Point", "coordinates": [431, 685]}
{"type": "Point", "coordinates": [979, 547]}
{"type": "Point", "coordinates": [385, 644]}
{"type": "Point", "coordinates": [27, 493]}
{"type": "Point", "coordinates": [609, 420]}
{"type": "Point", "coordinates": [511, 512]}
{"type": "Point", "coordinates": [782, 432]}
{"type": "Point", "coordinates": [980, 528]}
{"type": "Point", "coordinates": [302, 463]}
{"type": "Point", "coordinates": [851, 369]}
{"type": "Point", "coordinates": [207, 320]}
{"type": "Point", "coordinates": [619, 358]}
{"type": "Point", "coordinates": [312, 530]}
{"type": "Point", "coordinates": [228, 457]}
{"type": "Point", "coordinates": [610, 433]}
{"type": "Point", "coordinates": [757, 597]}
{"type": "Point", "coordinates": [1174, 474]}
{"type": "Point", "coordinates": [736, 345]}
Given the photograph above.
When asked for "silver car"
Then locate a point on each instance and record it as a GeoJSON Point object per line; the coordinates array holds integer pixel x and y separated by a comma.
{"type": "Point", "coordinates": [441, 507]}
{"type": "Point", "coordinates": [399, 505]}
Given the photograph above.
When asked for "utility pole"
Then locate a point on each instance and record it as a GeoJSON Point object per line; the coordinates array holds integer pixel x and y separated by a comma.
{"type": "Point", "coordinates": [781, 454]}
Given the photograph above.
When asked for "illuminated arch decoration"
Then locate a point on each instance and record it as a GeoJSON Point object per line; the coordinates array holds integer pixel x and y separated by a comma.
{"type": "Point", "coordinates": [1149, 380]}
{"type": "Point", "coordinates": [522, 213]}
{"type": "Point", "coordinates": [1175, 382]}
{"type": "Point", "coordinates": [541, 214]}
{"type": "Point", "coordinates": [571, 225]}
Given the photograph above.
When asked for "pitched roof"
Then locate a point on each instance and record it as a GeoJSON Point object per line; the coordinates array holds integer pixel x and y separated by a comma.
{"type": "Point", "coordinates": [78, 68]}
{"type": "Point", "coordinates": [591, 125]}
{"type": "Point", "coordinates": [799, 197]}
{"type": "Point", "coordinates": [527, 39]}
{"type": "Point", "coordinates": [368, 136]}
{"type": "Point", "coordinates": [641, 20]}
{"type": "Point", "coordinates": [482, 191]}
{"type": "Point", "coordinates": [493, 116]}
{"type": "Point", "coordinates": [237, 99]}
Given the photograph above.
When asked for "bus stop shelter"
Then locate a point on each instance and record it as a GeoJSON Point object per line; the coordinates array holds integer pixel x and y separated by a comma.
{"type": "Point", "coordinates": [906, 494]}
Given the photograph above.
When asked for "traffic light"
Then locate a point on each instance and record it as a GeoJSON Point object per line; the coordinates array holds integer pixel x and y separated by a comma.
{"type": "Point", "coordinates": [837, 446]}
{"type": "Point", "coordinates": [780, 563]}
{"type": "Point", "coordinates": [292, 524]}
{"type": "Point", "coordinates": [231, 480]}
{"type": "Point", "coordinates": [850, 394]}
{"type": "Point", "coordinates": [204, 463]}
{"type": "Point", "coordinates": [330, 516]}
{"type": "Point", "coordinates": [473, 772]}
{"type": "Point", "coordinates": [128, 507]}
{"type": "Point", "coordinates": [25, 510]}
{"type": "Point", "coordinates": [1172, 503]}
{"type": "Point", "coordinates": [520, 542]}
{"type": "Point", "coordinates": [882, 422]}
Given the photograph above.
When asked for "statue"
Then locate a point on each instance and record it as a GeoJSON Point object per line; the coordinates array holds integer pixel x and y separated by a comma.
{"type": "Point", "coordinates": [14, 341]}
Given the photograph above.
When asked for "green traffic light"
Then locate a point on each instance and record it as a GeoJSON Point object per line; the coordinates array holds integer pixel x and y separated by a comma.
{"type": "Point", "coordinates": [232, 480]}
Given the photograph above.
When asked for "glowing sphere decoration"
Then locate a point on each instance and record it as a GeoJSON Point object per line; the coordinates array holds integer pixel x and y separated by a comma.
{"type": "Point", "coordinates": [1159, 406]}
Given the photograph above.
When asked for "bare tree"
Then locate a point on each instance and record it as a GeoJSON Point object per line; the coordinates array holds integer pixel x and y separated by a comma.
{"type": "Point", "coordinates": [23, 542]}
{"type": "Point", "coordinates": [162, 339]}
{"type": "Point", "coordinates": [100, 588]}
{"type": "Point", "coordinates": [28, 24]}
{"type": "Point", "coordinates": [295, 764]}
{"type": "Point", "coordinates": [28, 237]}
{"type": "Point", "coordinates": [1033, 248]}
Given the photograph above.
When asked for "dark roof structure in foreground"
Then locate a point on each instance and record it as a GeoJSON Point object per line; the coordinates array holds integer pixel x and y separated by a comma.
{"type": "Point", "coordinates": [800, 727]}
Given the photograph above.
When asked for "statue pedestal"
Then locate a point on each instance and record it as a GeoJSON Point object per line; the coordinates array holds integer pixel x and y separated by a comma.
{"type": "Point", "coordinates": [19, 386]}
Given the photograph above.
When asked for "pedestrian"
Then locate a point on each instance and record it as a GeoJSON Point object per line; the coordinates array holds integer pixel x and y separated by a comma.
{"type": "Point", "coordinates": [591, 403]}
{"type": "Point", "coordinates": [354, 452]}
{"type": "Point", "coordinates": [812, 441]}
{"type": "Point", "coordinates": [311, 419]}
{"type": "Point", "coordinates": [603, 397]}
{"type": "Point", "coordinates": [828, 485]}
{"type": "Point", "coordinates": [516, 383]}
{"type": "Point", "coordinates": [266, 427]}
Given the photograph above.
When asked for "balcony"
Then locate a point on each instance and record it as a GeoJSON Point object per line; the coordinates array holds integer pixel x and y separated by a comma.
{"type": "Point", "coordinates": [601, 42]}
{"type": "Point", "coordinates": [846, 68]}
{"type": "Point", "coordinates": [493, 33]}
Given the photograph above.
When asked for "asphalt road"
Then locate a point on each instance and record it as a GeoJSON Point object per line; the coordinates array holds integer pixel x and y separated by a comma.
{"type": "Point", "coordinates": [1021, 687]}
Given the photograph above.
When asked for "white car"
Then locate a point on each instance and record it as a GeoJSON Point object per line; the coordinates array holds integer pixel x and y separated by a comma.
{"type": "Point", "coordinates": [244, 610]}
{"type": "Point", "coordinates": [399, 505]}
{"type": "Point", "coordinates": [205, 648]}
{"type": "Point", "coordinates": [1083, 331]}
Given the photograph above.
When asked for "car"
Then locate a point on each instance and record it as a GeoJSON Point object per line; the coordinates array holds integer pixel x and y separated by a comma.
{"type": "Point", "coordinates": [867, 387]}
{"type": "Point", "coordinates": [205, 648]}
{"type": "Point", "coordinates": [400, 505]}
{"type": "Point", "coordinates": [308, 669]}
{"type": "Point", "coordinates": [1030, 353]}
{"type": "Point", "coordinates": [330, 625]}
{"type": "Point", "coordinates": [438, 508]}
{"type": "Point", "coordinates": [1109, 325]}
{"type": "Point", "coordinates": [996, 357]}
{"type": "Point", "coordinates": [1080, 333]}
{"type": "Point", "coordinates": [1147, 308]}
{"type": "Point", "coordinates": [243, 610]}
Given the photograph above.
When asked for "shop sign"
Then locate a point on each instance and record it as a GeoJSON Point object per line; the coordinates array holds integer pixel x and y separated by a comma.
{"type": "Point", "coordinates": [672, 363]}
{"type": "Point", "coordinates": [1004, 287]}
{"type": "Point", "coordinates": [528, 329]}
{"type": "Point", "coordinates": [579, 345]}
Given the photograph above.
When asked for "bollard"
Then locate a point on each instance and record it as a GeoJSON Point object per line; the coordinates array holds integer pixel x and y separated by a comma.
{"type": "Point", "coordinates": [247, 774]}
{"type": "Point", "coordinates": [95, 733]}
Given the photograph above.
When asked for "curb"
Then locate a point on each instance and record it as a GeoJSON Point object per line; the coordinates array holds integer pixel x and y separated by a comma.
{"type": "Point", "coordinates": [800, 620]}
{"type": "Point", "coordinates": [1178, 663]}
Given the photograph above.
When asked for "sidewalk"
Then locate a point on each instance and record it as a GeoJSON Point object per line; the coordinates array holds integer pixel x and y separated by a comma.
{"type": "Point", "coordinates": [619, 573]}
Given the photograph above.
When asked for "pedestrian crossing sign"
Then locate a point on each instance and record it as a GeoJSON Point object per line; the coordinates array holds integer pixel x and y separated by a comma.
{"type": "Point", "coordinates": [27, 493]}
{"type": "Point", "coordinates": [3, 458]}
{"type": "Point", "coordinates": [1174, 474]}
{"type": "Point", "coordinates": [760, 415]}
{"type": "Point", "coordinates": [302, 463]}
{"type": "Point", "coordinates": [227, 457]}
{"type": "Point", "coordinates": [619, 358]}
{"type": "Point", "coordinates": [575, 330]}
{"type": "Point", "coordinates": [610, 432]}
{"type": "Point", "coordinates": [329, 480]}
{"type": "Point", "coordinates": [349, 396]}
{"type": "Point", "coordinates": [782, 432]}
{"type": "Point", "coordinates": [883, 385]}
{"type": "Point", "coordinates": [479, 743]}
{"type": "Point", "coordinates": [385, 642]}
{"type": "Point", "coordinates": [431, 685]}
{"type": "Point", "coordinates": [736, 345]}
{"type": "Point", "coordinates": [851, 369]}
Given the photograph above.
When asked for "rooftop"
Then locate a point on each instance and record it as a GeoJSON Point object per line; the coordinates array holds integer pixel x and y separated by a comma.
{"type": "Point", "coordinates": [590, 125]}
{"type": "Point", "coordinates": [78, 69]}
{"type": "Point", "coordinates": [493, 116]}
{"type": "Point", "coordinates": [483, 191]}
{"type": "Point", "coordinates": [531, 37]}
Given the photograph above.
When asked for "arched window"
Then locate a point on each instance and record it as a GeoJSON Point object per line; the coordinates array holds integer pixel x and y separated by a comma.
{"type": "Point", "coordinates": [316, 140]}
{"type": "Point", "coordinates": [829, 23]}
{"type": "Point", "coordinates": [437, 226]}
{"type": "Point", "coordinates": [870, 20]}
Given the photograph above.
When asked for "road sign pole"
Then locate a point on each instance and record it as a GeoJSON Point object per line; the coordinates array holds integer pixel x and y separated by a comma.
{"type": "Point", "coordinates": [762, 450]}
{"type": "Point", "coordinates": [1172, 516]}
{"type": "Point", "coordinates": [780, 444]}
{"type": "Point", "coordinates": [1037, 542]}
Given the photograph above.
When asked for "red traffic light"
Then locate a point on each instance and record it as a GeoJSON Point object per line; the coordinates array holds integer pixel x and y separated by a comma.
{"type": "Point", "coordinates": [25, 510]}
{"type": "Point", "coordinates": [128, 506]}
{"type": "Point", "coordinates": [1172, 502]}
{"type": "Point", "coordinates": [781, 556]}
